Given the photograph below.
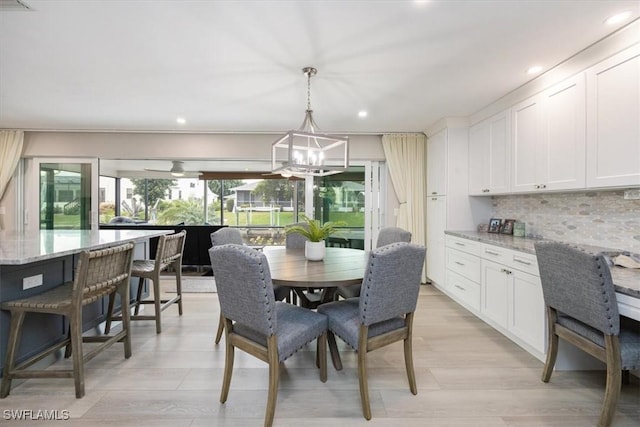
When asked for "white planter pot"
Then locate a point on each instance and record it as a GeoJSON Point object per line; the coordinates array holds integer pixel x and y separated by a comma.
{"type": "Point", "coordinates": [314, 251]}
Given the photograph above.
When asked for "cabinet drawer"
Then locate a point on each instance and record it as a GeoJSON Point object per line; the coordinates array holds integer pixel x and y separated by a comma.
{"type": "Point", "coordinates": [523, 262]}
{"type": "Point", "coordinates": [495, 254]}
{"type": "Point", "coordinates": [464, 264]}
{"type": "Point", "coordinates": [464, 290]}
{"type": "Point", "coordinates": [465, 245]}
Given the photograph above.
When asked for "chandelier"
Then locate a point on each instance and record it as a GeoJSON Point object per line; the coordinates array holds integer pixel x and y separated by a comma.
{"type": "Point", "coordinates": [306, 151]}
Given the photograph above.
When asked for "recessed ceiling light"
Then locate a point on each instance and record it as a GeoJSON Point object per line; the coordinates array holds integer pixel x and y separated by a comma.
{"type": "Point", "coordinates": [534, 70]}
{"type": "Point", "coordinates": [181, 120]}
{"type": "Point", "coordinates": [362, 114]}
{"type": "Point", "coordinates": [618, 18]}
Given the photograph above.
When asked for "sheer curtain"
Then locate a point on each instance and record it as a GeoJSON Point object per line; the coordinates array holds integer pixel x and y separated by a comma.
{"type": "Point", "coordinates": [11, 142]}
{"type": "Point", "coordinates": [406, 156]}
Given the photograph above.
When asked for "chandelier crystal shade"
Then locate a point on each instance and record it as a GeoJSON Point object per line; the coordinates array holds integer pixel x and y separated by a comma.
{"type": "Point", "coordinates": [307, 152]}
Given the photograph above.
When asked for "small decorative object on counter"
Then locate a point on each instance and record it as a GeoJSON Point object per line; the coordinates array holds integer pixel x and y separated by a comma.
{"type": "Point", "coordinates": [519, 229]}
{"type": "Point", "coordinates": [483, 228]}
{"type": "Point", "coordinates": [495, 225]}
{"type": "Point", "coordinates": [507, 227]}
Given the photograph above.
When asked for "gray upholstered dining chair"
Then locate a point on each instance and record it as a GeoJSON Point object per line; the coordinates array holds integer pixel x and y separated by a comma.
{"type": "Point", "coordinates": [98, 273]}
{"type": "Point", "coordinates": [254, 322]}
{"type": "Point", "coordinates": [386, 236]}
{"type": "Point", "coordinates": [168, 254]}
{"type": "Point", "coordinates": [582, 309]}
{"type": "Point", "coordinates": [229, 235]}
{"type": "Point", "coordinates": [383, 314]}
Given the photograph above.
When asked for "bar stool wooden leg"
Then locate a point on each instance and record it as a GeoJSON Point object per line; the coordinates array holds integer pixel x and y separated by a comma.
{"type": "Point", "coordinates": [157, 304]}
{"type": "Point", "coordinates": [139, 295]}
{"type": "Point", "coordinates": [15, 333]}
{"type": "Point", "coordinates": [77, 353]}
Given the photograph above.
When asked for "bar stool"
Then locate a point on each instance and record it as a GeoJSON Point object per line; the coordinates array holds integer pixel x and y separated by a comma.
{"type": "Point", "coordinates": [98, 273]}
{"type": "Point", "coordinates": [168, 254]}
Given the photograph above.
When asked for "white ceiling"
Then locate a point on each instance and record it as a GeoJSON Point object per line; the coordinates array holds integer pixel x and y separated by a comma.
{"type": "Point", "coordinates": [235, 66]}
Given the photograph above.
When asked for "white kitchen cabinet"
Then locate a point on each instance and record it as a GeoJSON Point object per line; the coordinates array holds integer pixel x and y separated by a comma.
{"type": "Point", "coordinates": [489, 155]}
{"type": "Point", "coordinates": [447, 164]}
{"type": "Point", "coordinates": [437, 164]}
{"type": "Point", "coordinates": [527, 133]}
{"type": "Point", "coordinates": [501, 286]}
{"type": "Point", "coordinates": [549, 139]}
{"type": "Point", "coordinates": [526, 309]}
{"type": "Point", "coordinates": [494, 296]}
{"type": "Point", "coordinates": [436, 225]}
{"type": "Point", "coordinates": [613, 121]}
{"type": "Point", "coordinates": [561, 161]}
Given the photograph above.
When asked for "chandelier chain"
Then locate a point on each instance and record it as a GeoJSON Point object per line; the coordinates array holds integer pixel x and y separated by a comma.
{"type": "Point", "coordinates": [308, 91]}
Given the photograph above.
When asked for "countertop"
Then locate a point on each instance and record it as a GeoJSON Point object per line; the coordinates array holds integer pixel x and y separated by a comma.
{"type": "Point", "coordinates": [19, 249]}
{"type": "Point", "coordinates": [626, 280]}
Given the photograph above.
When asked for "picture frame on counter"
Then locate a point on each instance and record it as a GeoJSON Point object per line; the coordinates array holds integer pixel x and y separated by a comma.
{"type": "Point", "coordinates": [507, 227]}
{"type": "Point", "coordinates": [494, 225]}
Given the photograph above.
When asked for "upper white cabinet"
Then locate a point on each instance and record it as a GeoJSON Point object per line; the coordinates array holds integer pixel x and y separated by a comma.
{"type": "Point", "coordinates": [549, 141]}
{"type": "Point", "coordinates": [489, 155]}
{"type": "Point", "coordinates": [527, 127]}
{"type": "Point", "coordinates": [613, 125]}
{"type": "Point", "coordinates": [562, 162]}
{"type": "Point", "coordinates": [437, 164]}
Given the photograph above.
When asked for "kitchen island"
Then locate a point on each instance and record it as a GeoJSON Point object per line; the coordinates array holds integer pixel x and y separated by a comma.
{"type": "Point", "coordinates": [34, 262]}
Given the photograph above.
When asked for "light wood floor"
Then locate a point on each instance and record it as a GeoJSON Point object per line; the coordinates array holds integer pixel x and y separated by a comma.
{"type": "Point", "coordinates": [467, 374]}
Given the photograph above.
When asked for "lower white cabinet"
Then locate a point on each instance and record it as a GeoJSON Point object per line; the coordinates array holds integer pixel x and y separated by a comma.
{"type": "Point", "coordinates": [502, 287]}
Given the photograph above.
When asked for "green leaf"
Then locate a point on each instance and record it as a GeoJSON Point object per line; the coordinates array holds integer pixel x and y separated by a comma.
{"type": "Point", "coordinates": [314, 231]}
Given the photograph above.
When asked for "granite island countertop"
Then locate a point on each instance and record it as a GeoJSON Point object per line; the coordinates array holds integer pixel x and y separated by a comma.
{"type": "Point", "coordinates": [19, 249]}
{"type": "Point", "coordinates": [626, 280]}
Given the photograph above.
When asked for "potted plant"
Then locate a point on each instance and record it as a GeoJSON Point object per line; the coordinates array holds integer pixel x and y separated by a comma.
{"type": "Point", "coordinates": [315, 233]}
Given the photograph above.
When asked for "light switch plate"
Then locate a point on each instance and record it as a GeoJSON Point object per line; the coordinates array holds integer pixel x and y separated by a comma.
{"type": "Point", "coordinates": [31, 282]}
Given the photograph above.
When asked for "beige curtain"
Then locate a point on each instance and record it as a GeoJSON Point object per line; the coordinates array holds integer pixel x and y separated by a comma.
{"type": "Point", "coordinates": [11, 142]}
{"type": "Point", "coordinates": [406, 156]}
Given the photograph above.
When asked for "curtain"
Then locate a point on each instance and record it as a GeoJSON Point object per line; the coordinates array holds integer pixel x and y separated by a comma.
{"type": "Point", "coordinates": [406, 156]}
{"type": "Point", "coordinates": [11, 142]}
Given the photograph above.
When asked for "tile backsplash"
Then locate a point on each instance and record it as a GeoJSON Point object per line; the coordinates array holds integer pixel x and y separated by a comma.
{"type": "Point", "coordinates": [602, 218]}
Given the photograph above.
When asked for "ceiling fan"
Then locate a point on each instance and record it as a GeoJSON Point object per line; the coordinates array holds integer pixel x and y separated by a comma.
{"type": "Point", "coordinates": [177, 170]}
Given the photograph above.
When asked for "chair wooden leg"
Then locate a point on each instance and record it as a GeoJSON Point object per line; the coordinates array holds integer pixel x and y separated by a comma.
{"type": "Point", "coordinates": [77, 357]}
{"type": "Point", "coordinates": [220, 329]}
{"type": "Point", "coordinates": [408, 356]}
{"type": "Point", "coordinates": [68, 349]}
{"type": "Point", "coordinates": [552, 345]}
{"type": "Point", "coordinates": [614, 380]}
{"type": "Point", "coordinates": [178, 269]}
{"type": "Point", "coordinates": [362, 372]}
{"type": "Point", "coordinates": [13, 343]}
{"type": "Point", "coordinates": [322, 356]}
{"type": "Point", "coordinates": [228, 364]}
{"type": "Point", "coordinates": [157, 302]}
{"type": "Point", "coordinates": [139, 295]}
{"type": "Point", "coordinates": [126, 319]}
{"type": "Point", "coordinates": [274, 376]}
{"type": "Point", "coordinates": [333, 350]}
{"type": "Point", "coordinates": [112, 300]}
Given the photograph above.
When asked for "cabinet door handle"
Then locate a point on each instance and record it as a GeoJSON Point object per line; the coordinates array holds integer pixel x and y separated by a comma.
{"type": "Point", "coordinates": [521, 261]}
{"type": "Point", "coordinates": [434, 192]}
{"type": "Point", "coordinates": [459, 263]}
{"type": "Point", "coordinates": [485, 190]}
{"type": "Point", "coordinates": [460, 287]}
{"type": "Point", "coordinates": [537, 187]}
{"type": "Point", "coordinates": [487, 251]}
{"type": "Point", "coordinates": [543, 186]}
{"type": "Point", "coordinates": [460, 244]}
{"type": "Point", "coordinates": [434, 198]}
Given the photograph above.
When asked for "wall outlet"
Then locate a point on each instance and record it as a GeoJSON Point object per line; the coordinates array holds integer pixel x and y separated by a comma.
{"type": "Point", "coordinates": [632, 194]}
{"type": "Point", "coordinates": [31, 282]}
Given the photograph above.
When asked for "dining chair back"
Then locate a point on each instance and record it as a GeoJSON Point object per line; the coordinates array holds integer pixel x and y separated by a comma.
{"type": "Point", "coordinates": [581, 307]}
{"type": "Point", "coordinates": [168, 254]}
{"type": "Point", "coordinates": [390, 235]}
{"type": "Point", "coordinates": [257, 324]}
{"type": "Point", "coordinates": [383, 314]}
{"type": "Point", "coordinates": [226, 235]}
{"type": "Point", "coordinates": [98, 273]}
{"type": "Point", "coordinates": [386, 236]}
{"type": "Point", "coordinates": [295, 240]}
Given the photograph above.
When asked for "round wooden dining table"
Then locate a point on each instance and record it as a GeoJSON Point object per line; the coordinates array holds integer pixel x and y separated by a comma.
{"type": "Point", "coordinates": [340, 267]}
